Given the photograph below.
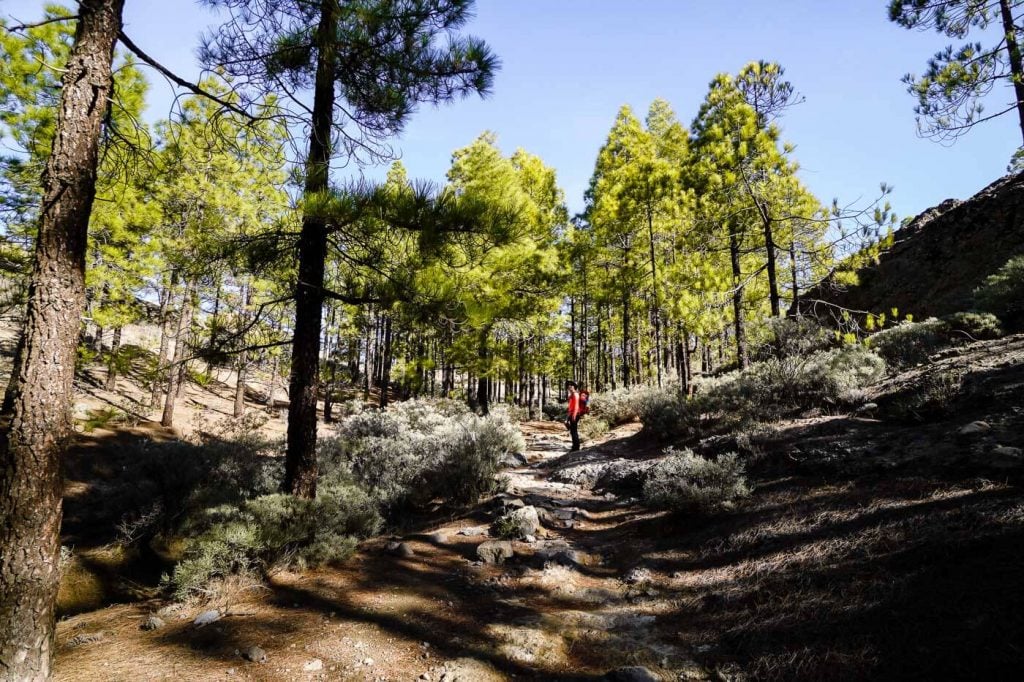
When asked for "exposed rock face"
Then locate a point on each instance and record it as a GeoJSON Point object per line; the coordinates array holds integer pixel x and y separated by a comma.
{"type": "Point", "coordinates": [939, 259]}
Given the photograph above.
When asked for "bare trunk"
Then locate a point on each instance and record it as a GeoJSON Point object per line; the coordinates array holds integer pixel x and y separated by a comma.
{"type": "Point", "coordinates": [160, 376]}
{"type": "Point", "coordinates": [115, 348]}
{"type": "Point", "coordinates": [737, 298]}
{"type": "Point", "coordinates": [301, 468]}
{"type": "Point", "coordinates": [1016, 62]}
{"type": "Point", "coordinates": [39, 422]}
{"type": "Point", "coordinates": [176, 372]}
{"type": "Point", "coordinates": [385, 370]}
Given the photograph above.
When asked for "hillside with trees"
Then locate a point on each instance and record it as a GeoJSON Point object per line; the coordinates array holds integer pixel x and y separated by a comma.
{"type": "Point", "coordinates": [269, 420]}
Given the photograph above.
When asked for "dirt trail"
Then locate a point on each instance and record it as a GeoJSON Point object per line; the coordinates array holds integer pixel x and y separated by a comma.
{"type": "Point", "coordinates": [564, 607]}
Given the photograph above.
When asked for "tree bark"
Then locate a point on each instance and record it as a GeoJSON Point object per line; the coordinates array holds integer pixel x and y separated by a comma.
{"type": "Point", "coordinates": [737, 298]}
{"type": "Point", "coordinates": [385, 367]}
{"type": "Point", "coordinates": [115, 348]}
{"type": "Point", "coordinates": [176, 371]}
{"type": "Point", "coordinates": [243, 357]}
{"type": "Point", "coordinates": [159, 380]}
{"type": "Point", "coordinates": [656, 313]}
{"type": "Point", "coordinates": [1015, 59]}
{"type": "Point", "coordinates": [301, 469]}
{"type": "Point", "coordinates": [39, 420]}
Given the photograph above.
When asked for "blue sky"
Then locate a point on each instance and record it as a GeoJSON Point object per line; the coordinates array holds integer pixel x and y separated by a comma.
{"type": "Point", "coordinates": [568, 65]}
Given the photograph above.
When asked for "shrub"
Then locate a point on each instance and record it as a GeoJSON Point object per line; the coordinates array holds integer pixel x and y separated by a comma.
{"type": "Point", "coordinates": [555, 412]}
{"type": "Point", "coordinates": [663, 412]}
{"type": "Point", "coordinates": [973, 326]}
{"type": "Point", "coordinates": [412, 454]}
{"type": "Point", "coordinates": [616, 407]}
{"type": "Point", "coordinates": [685, 482]}
{"type": "Point", "coordinates": [794, 336]}
{"type": "Point", "coordinates": [277, 530]}
{"type": "Point", "coordinates": [1003, 293]}
{"type": "Point", "coordinates": [910, 343]}
{"type": "Point", "coordinates": [592, 428]}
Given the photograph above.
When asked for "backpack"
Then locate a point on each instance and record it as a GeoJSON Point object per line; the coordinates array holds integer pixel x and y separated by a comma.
{"type": "Point", "coordinates": [584, 403]}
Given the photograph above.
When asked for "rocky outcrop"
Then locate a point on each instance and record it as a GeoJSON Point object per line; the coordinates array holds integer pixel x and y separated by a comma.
{"type": "Point", "coordinates": [938, 259]}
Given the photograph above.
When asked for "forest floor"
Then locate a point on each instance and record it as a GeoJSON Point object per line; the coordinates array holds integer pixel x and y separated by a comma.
{"type": "Point", "coordinates": [869, 548]}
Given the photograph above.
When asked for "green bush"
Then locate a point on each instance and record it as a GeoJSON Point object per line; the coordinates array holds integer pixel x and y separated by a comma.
{"type": "Point", "coordinates": [973, 326]}
{"type": "Point", "coordinates": [276, 530]}
{"type": "Point", "coordinates": [616, 407]}
{"type": "Point", "coordinates": [910, 343]}
{"type": "Point", "coordinates": [663, 412]}
{"type": "Point", "coordinates": [591, 428]}
{"type": "Point", "coordinates": [932, 398]}
{"type": "Point", "coordinates": [1003, 294]}
{"type": "Point", "coordinates": [413, 453]}
{"type": "Point", "coordinates": [685, 482]}
{"type": "Point", "coordinates": [794, 336]}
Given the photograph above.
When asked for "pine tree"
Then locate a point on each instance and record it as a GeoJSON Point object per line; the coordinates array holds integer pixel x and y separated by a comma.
{"type": "Point", "coordinates": [38, 419]}
{"type": "Point", "coordinates": [385, 57]}
{"type": "Point", "coordinates": [949, 93]}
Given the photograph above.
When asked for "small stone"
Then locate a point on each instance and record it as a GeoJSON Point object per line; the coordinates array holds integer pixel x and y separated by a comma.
{"type": "Point", "coordinates": [522, 522]}
{"type": "Point", "coordinates": [974, 429]}
{"type": "Point", "coordinates": [473, 531]}
{"type": "Point", "coordinates": [530, 539]}
{"type": "Point", "coordinates": [254, 654]}
{"type": "Point", "coordinates": [231, 671]}
{"type": "Point", "coordinates": [402, 549]}
{"type": "Point", "coordinates": [865, 408]}
{"type": "Point", "coordinates": [1007, 451]}
{"type": "Point", "coordinates": [636, 575]}
{"type": "Point", "coordinates": [207, 617]}
{"type": "Point", "coordinates": [153, 623]}
{"type": "Point", "coordinates": [425, 677]}
{"type": "Point", "coordinates": [439, 538]}
{"type": "Point", "coordinates": [367, 662]}
{"type": "Point", "coordinates": [316, 665]}
{"type": "Point", "coordinates": [495, 551]}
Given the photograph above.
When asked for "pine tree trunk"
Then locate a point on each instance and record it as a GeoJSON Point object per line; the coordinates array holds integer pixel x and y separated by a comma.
{"type": "Point", "coordinates": [385, 371]}
{"type": "Point", "coordinates": [176, 372]}
{"type": "Point", "coordinates": [115, 348]}
{"type": "Point", "coordinates": [243, 367]}
{"type": "Point", "coordinates": [301, 468]}
{"type": "Point", "coordinates": [656, 313]}
{"type": "Point", "coordinates": [39, 422]}
{"type": "Point", "coordinates": [272, 381]}
{"type": "Point", "coordinates": [737, 298]}
{"type": "Point", "coordinates": [794, 306]}
{"type": "Point", "coordinates": [159, 380]}
{"type": "Point", "coordinates": [1015, 59]}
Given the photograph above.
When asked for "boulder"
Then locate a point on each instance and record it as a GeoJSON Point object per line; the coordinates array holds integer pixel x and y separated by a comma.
{"type": "Point", "coordinates": [254, 654]}
{"type": "Point", "coordinates": [495, 551]}
{"type": "Point", "coordinates": [518, 523]}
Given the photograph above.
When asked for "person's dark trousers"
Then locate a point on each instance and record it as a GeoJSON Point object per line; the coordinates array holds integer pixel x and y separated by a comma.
{"type": "Point", "coordinates": [574, 431]}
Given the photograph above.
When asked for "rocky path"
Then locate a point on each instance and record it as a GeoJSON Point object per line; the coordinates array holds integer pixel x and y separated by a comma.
{"type": "Point", "coordinates": [571, 599]}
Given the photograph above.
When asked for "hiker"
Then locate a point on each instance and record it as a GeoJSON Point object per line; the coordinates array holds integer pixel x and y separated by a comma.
{"type": "Point", "coordinates": [578, 403]}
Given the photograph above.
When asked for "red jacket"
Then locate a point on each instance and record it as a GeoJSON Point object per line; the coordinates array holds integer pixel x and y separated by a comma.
{"type": "Point", "coordinates": [574, 405]}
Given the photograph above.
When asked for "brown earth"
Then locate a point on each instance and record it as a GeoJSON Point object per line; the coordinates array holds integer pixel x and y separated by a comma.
{"type": "Point", "coordinates": [883, 544]}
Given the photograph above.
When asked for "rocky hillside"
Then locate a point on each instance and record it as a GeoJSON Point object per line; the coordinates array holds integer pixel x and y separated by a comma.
{"type": "Point", "coordinates": [939, 258]}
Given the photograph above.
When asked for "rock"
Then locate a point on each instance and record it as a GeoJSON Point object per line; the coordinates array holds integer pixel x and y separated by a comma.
{"type": "Point", "coordinates": [438, 538]}
{"type": "Point", "coordinates": [519, 523]}
{"type": "Point", "coordinates": [316, 665]}
{"type": "Point", "coordinates": [153, 623]}
{"type": "Point", "coordinates": [1007, 451]}
{"type": "Point", "coordinates": [633, 673]}
{"type": "Point", "coordinates": [473, 531]}
{"type": "Point", "coordinates": [207, 617]}
{"type": "Point", "coordinates": [636, 575]}
{"type": "Point", "coordinates": [974, 429]}
{"type": "Point", "coordinates": [510, 503]}
{"type": "Point", "coordinates": [425, 677]}
{"type": "Point", "coordinates": [495, 551]}
{"type": "Point", "coordinates": [254, 654]}
{"type": "Point", "coordinates": [367, 662]}
{"type": "Point", "coordinates": [402, 549]}
{"type": "Point", "coordinates": [866, 408]}
{"type": "Point", "coordinates": [514, 459]}
{"type": "Point", "coordinates": [1005, 457]}
{"type": "Point", "coordinates": [530, 539]}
